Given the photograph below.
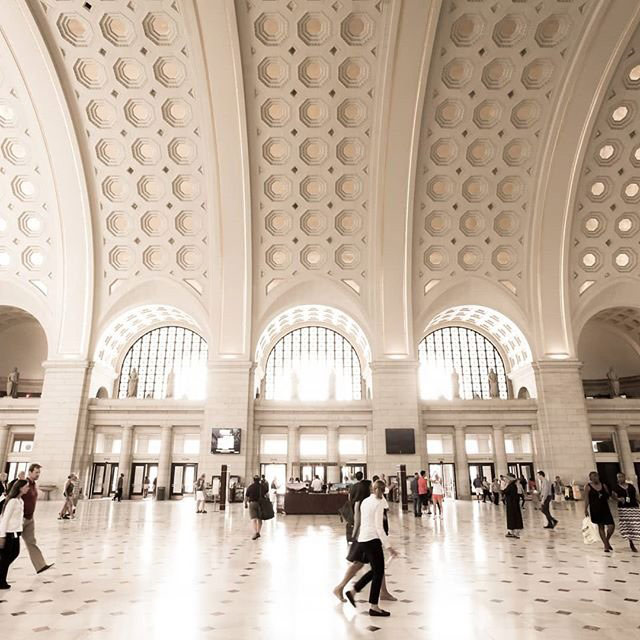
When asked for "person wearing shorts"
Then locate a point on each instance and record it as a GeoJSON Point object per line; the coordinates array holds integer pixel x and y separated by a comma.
{"type": "Point", "coordinates": [255, 491]}
{"type": "Point", "coordinates": [200, 497]}
{"type": "Point", "coordinates": [437, 495]}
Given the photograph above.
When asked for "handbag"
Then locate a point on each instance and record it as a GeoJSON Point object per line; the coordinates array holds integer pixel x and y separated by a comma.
{"type": "Point", "coordinates": [346, 512]}
{"type": "Point", "coordinates": [266, 508]}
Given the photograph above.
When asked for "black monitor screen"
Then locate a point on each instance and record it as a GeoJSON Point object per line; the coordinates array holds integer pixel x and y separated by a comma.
{"type": "Point", "coordinates": [225, 440]}
{"type": "Point", "coordinates": [400, 440]}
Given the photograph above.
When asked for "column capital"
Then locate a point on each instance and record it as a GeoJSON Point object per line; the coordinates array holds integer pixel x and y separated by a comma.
{"type": "Point", "coordinates": [622, 426]}
{"type": "Point", "coordinates": [459, 426]}
{"type": "Point", "coordinates": [498, 426]}
{"type": "Point", "coordinates": [556, 366]}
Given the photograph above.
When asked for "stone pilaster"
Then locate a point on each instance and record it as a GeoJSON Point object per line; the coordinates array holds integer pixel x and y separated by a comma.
{"type": "Point", "coordinates": [626, 455]}
{"type": "Point", "coordinates": [462, 466]}
{"type": "Point", "coordinates": [562, 436]}
{"type": "Point", "coordinates": [499, 449]}
{"type": "Point", "coordinates": [228, 406]}
{"type": "Point", "coordinates": [86, 461]}
{"type": "Point", "coordinates": [126, 451]}
{"type": "Point", "coordinates": [4, 443]}
{"type": "Point", "coordinates": [333, 471]}
{"type": "Point", "coordinates": [164, 459]}
{"type": "Point", "coordinates": [62, 419]}
{"type": "Point", "coordinates": [293, 450]}
{"type": "Point", "coordinates": [394, 405]}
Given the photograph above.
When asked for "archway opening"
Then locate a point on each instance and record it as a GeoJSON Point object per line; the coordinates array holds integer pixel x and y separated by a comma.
{"type": "Point", "coordinates": [313, 364]}
{"type": "Point", "coordinates": [23, 347]}
{"type": "Point", "coordinates": [609, 349]}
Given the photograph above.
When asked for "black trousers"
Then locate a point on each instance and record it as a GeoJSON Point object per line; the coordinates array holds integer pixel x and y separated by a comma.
{"type": "Point", "coordinates": [546, 510]}
{"type": "Point", "coordinates": [496, 497]}
{"type": "Point", "coordinates": [118, 495]}
{"type": "Point", "coordinates": [8, 554]}
{"type": "Point", "coordinates": [375, 557]}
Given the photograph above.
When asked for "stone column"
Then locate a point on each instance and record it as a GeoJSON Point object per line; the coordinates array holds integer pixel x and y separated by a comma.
{"type": "Point", "coordinates": [87, 461]}
{"type": "Point", "coordinates": [62, 420]}
{"type": "Point", "coordinates": [499, 449]}
{"type": "Point", "coordinates": [126, 451]}
{"type": "Point", "coordinates": [563, 433]}
{"type": "Point", "coordinates": [4, 442]}
{"type": "Point", "coordinates": [228, 407]}
{"type": "Point", "coordinates": [395, 405]}
{"type": "Point", "coordinates": [333, 472]}
{"type": "Point", "coordinates": [293, 448]}
{"type": "Point", "coordinates": [164, 459]}
{"type": "Point", "coordinates": [462, 468]}
{"type": "Point", "coordinates": [626, 455]}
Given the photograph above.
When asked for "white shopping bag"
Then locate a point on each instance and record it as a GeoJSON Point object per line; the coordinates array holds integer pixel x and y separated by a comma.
{"type": "Point", "coordinates": [589, 531]}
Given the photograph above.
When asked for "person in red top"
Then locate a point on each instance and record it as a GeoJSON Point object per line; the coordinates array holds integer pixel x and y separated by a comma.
{"type": "Point", "coordinates": [28, 528]}
{"type": "Point", "coordinates": [423, 491]}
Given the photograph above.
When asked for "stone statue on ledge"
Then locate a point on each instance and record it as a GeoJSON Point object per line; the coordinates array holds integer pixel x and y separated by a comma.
{"type": "Point", "coordinates": [132, 385]}
{"type": "Point", "coordinates": [494, 392]}
{"type": "Point", "coordinates": [171, 384]}
{"type": "Point", "coordinates": [12, 383]}
{"type": "Point", "coordinates": [455, 385]}
{"type": "Point", "coordinates": [614, 383]}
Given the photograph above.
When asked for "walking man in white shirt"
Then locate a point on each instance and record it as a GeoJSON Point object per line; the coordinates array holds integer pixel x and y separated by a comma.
{"type": "Point", "coordinates": [316, 485]}
{"type": "Point", "coordinates": [372, 538]}
{"type": "Point", "coordinates": [546, 497]}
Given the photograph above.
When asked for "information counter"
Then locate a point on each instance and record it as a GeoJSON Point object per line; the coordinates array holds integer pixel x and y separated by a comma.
{"type": "Point", "coordinates": [302, 503]}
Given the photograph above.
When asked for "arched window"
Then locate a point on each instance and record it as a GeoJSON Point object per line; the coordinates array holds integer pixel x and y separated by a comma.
{"type": "Point", "coordinates": [313, 363]}
{"type": "Point", "coordinates": [170, 362]}
{"type": "Point", "coordinates": [467, 352]}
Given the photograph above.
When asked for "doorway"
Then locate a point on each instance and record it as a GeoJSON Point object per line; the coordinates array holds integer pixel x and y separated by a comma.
{"type": "Point", "coordinates": [482, 469]}
{"type": "Point", "coordinates": [522, 469]}
{"type": "Point", "coordinates": [277, 472]}
{"type": "Point", "coordinates": [98, 478]}
{"type": "Point", "coordinates": [113, 478]}
{"type": "Point", "coordinates": [311, 470]}
{"type": "Point", "coordinates": [140, 471]}
{"type": "Point", "coordinates": [12, 469]}
{"type": "Point", "coordinates": [183, 478]}
{"type": "Point", "coordinates": [608, 472]}
{"type": "Point", "coordinates": [349, 471]}
{"type": "Point", "coordinates": [446, 471]}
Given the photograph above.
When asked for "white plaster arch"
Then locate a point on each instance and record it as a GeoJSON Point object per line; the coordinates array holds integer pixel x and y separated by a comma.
{"type": "Point", "coordinates": [316, 291]}
{"type": "Point", "coordinates": [316, 315]}
{"type": "Point", "coordinates": [610, 26]}
{"type": "Point", "coordinates": [623, 293]}
{"type": "Point", "coordinates": [473, 291]}
{"type": "Point", "coordinates": [74, 286]}
{"type": "Point", "coordinates": [16, 294]}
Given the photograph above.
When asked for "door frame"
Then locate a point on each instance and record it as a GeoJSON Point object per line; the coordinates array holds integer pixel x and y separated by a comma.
{"type": "Point", "coordinates": [93, 478]}
{"type": "Point", "coordinates": [114, 471]}
{"type": "Point", "coordinates": [455, 479]}
{"type": "Point", "coordinates": [353, 464]}
{"type": "Point", "coordinates": [173, 468]}
{"type": "Point", "coordinates": [146, 466]}
{"type": "Point", "coordinates": [518, 471]}
{"type": "Point", "coordinates": [480, 464]}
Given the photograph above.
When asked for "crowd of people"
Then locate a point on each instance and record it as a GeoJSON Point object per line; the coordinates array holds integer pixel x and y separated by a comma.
{"type": "Point", "coordinates": [366, 515]}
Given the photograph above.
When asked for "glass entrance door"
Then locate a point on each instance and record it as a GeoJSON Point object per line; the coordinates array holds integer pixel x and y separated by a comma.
{"type": "Point", "coordinates": [482, 470]}
{"type": "Point", "coordinates": [522, 469]}
{"type": "Point", "coordinates": [142, 476]}
{"type": "Point", "coordinates": [113, 479]}
{"type": "Point", "coordinates": [349, 471]}
{"type": "Point", "coordinates": [277, 472]}
{"type": "Point", "coordinates": [446, 471]}
{"type": "Point", "coordinates": [183, 477]}
{"type": "Point", "coordinates": [98, 478]}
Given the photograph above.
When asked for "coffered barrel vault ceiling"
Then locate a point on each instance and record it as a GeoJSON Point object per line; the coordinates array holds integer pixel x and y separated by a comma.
{"type": "Point", "coordinates": [495, 72]}
{"type": "Point", "coordinates": [309, 83]}
{"type": "Point", "coordinates": [128, 64]}
{"type": "Point", "coordinates": [606, 224]}
{"type": "Point", "coordinates": [311, 71]}
{"type": "Point", "coordinates": [29, 226]}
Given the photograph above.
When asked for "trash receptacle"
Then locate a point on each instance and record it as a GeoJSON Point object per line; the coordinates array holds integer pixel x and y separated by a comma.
{"type": "Point", "coordinates": [161, 493]}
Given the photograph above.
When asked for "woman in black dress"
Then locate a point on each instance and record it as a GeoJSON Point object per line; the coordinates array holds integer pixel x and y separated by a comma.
{"type": "Point", "coordinates": [512, 503]}
{"type": "Point", "coordinates": [628, 510]}
{"type": "Point", "coordinates": [596, 507]}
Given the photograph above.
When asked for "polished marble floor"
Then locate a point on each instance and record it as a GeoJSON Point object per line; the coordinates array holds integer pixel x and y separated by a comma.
{"type": "Point", "coordinates": [157, 570]}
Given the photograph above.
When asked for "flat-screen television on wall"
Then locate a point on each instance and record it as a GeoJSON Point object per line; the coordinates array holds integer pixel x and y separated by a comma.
{"type": "Point", "coordinates": [400, 440]}
{"type": "Point", "coordinates": [225, 440]}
